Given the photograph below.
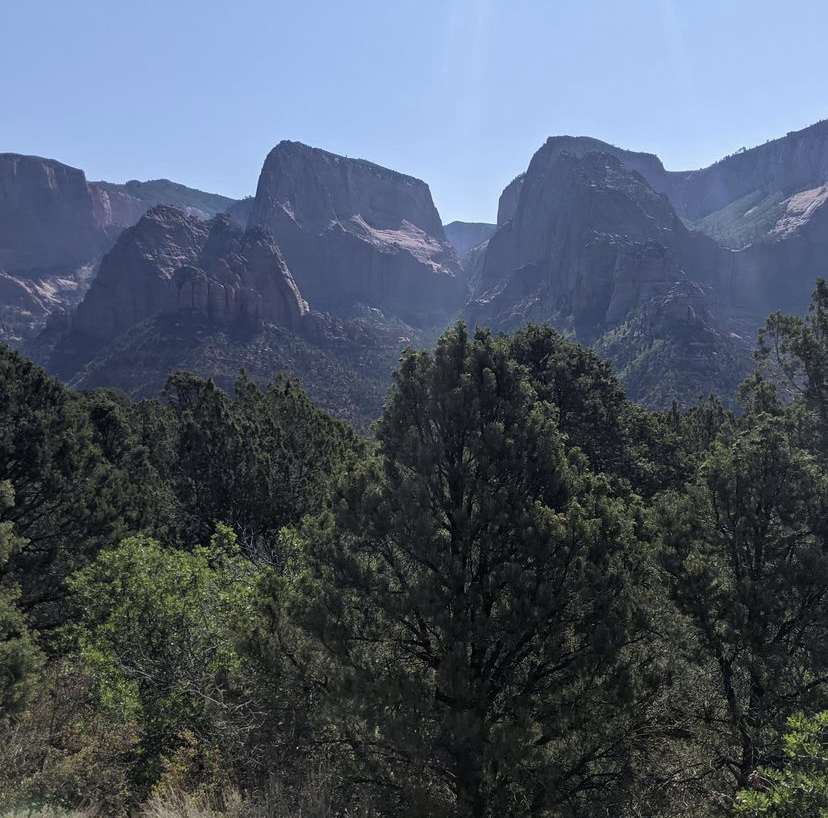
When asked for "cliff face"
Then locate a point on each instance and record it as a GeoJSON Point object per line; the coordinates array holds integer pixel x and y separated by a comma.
{"type": "Point", "coordinates": [170, 261]}
{"type": "Point", "coordinates": [354, 233]}
{"type": "Point", "coordinates": [592, 248]}
{"type": "Point", "coordinates": [589, 241]}
{"type": "Point", "coordinates": [779, 272]}
{"type": "Point", "coordinates": [737, 200]}
{"type": "Point", "coordinates": [48, 216]}
{"type": "Point", "coordinates": [794, 162]}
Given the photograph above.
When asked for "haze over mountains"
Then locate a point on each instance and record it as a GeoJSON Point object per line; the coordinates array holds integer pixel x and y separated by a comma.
{"type": "Point", "coordinates": [336, 263]}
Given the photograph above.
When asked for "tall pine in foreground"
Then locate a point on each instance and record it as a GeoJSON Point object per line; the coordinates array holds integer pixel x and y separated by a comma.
{"type": "Point", "coordinates": [467, 602]}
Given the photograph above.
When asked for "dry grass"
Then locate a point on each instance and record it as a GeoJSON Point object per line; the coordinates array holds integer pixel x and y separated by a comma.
{"type": "Point", "coordinates": [48, 812]}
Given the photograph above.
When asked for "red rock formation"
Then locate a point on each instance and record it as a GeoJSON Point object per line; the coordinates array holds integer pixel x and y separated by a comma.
{"type": "Point", "coordinates": [170, 261]}
{"type": "Point", "coordinates": [48, 216]}
{"type": "Point", "coordinates": [356, 233]}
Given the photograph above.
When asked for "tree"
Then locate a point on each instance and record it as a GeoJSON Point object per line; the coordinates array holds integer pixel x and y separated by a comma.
{"type": "Point", "coordinates": [467, 599]}
{"type": "Point", "coordinates": [794, 350]}
{"type": "Point", "coordinates": [744, 552]}
{"type": "Point", "coordinates": [589, 400]}
{"type": "Point", "coordinates": [19, 657]}
{"type": "Point", "coordinates": [154, 626]}
{"type": "Point", "coordinates": [256, 462]}
{"type": "Point", "coordinates": [68, 502]}
{"type": "Point", "coordinates": [800, 788]}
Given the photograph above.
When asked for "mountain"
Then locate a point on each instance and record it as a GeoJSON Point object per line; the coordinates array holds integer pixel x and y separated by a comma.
{"type": "Point", "coordinates": [589, 240]}
{"type": "Point", "coordinates": [355, 234]}
{"type": "Point", "coordinates": [337, 263]}
{"type": "Point", "coordinates": [54, 228]}
{"type": "Point", "coordinates": [465, 236]}
{"type": "Point", "coordinates": [613, 249]}
{"type": "Point", "coordinates": [49, 220]}
{"type": "Point", "coordinates": [177, 292]}
{"type": "Point", "coordinates": [172, 262]}
{"type": "Point", "coordinates": [163, 191]}
{"type": "Point", "coordinates": [593, 249]}
{"type": "Point", "coordinates": [737, 201]}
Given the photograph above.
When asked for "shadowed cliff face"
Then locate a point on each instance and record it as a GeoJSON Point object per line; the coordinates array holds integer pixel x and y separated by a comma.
{"type": "Point", "coordinates": [746, 188]}
{"type": "Point", "coordinates": [593, 249]}
{"type": "Point", "coordinates": [170, 261]}
{"type": "Point", "coordinates": [589, 241]}
{"type": "Point", "coordinates": [48, 217]}
{"type": "Point", "coordinates": [354, 233]}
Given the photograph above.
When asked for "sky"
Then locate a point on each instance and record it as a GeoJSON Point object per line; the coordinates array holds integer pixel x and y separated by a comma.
{"type": "Point", "coordinates": [459, 93]}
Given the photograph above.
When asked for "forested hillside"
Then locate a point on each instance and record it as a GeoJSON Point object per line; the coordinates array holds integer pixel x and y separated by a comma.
{"type": "Point", "coordinates": [522, 595]}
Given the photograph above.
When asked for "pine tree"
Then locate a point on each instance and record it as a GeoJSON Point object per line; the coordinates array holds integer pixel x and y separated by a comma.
{"type": "Point", "coordinates": [467, 600]}
{"type": "Point", "coordinates": [19, 657]}
{"type": "Point", "coordinates": [745, 554]}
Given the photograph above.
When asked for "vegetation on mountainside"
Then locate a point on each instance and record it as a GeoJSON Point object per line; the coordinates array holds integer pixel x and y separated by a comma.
{"type": "Point", "coordinates": [742, 222]}
{"type": "Point", "coordinates": [524, 595]}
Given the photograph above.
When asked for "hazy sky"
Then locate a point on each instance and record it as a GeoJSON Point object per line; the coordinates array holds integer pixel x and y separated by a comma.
{"type": "Point", "coordinates": [457, 92]}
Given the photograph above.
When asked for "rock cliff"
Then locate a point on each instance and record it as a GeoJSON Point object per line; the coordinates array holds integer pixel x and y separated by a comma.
{"type": "Point", "coordinates": [49, 218]}
{"type": "Point", "coordinates": [737, 200]}
{"type": "Point", "coordinates": [354, 233]}
{"type": "Point", "coordinates": [589, 241]}
{"type": "Point", "coordinates": [170, 261]}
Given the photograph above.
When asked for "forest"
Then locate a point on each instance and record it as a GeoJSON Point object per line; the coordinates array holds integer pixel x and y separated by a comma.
{"type": "Point", "coordinates": [521, 595]}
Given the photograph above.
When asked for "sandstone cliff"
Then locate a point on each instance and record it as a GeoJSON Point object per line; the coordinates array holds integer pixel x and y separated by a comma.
{"type": "Point", "coordinates": [593, 249]}
{"type": "Point", "coordinates": [48, 217]}
{"type": "Point", "coordinates": [170, 261]}
{"type": "Point", "coordinates": [737, 200]}
{"type": "Point", "coordinates": [589, 241]}
{"type": "Point", "coordinates": [354, 233]}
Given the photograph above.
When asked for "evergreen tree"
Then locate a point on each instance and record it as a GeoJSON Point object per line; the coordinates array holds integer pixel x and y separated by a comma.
{"type": "Point", "coordinates": [744, 549]}
{"type": "Point", "coordinates": [468, 603]}
{"type": "Point", "coordinates": [19, 657]}
{"type": "Point", "coordinates": [68, 498]}
{"type": "Point", "coordinates": [256, 462]}
{"type": "Point", "coordinates": [800, 788]}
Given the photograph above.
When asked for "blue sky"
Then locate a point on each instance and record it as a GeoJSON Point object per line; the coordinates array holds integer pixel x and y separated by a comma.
{"type": "Point", "coordinates": [457, 92]}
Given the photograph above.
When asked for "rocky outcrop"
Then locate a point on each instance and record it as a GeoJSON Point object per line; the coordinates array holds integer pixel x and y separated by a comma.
{"type": "Point", "coordinates": [354, 233]}
{"type": "Point", "coordinates": [49, 218]}
{"type": "Point", "coordinates": [135, 279]}
{"type": "Point", "coordinates": [170, 262]}
{"type": "Point", "coordinates": [590, 240]}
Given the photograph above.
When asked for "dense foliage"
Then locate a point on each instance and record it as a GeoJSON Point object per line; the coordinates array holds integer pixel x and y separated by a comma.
{"type": "Point", "coordinates": [522, 596]}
